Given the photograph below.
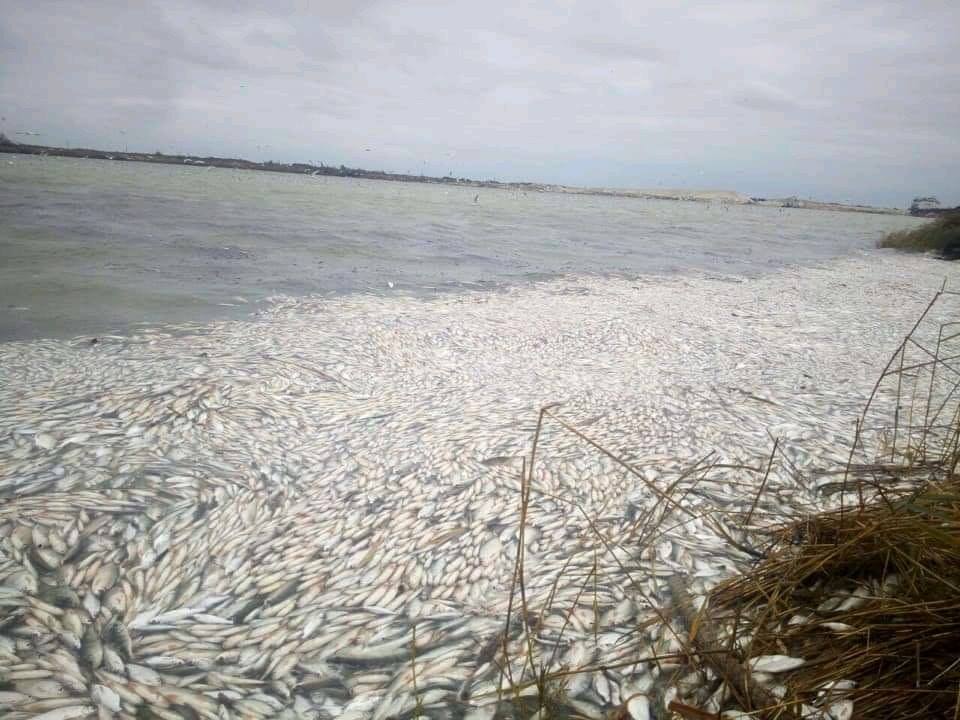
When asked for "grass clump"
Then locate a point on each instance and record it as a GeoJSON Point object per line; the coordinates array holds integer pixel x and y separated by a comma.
{"type": "Point", "coordinates": [870, 599]}
{"type": "Point", "coordinates": [941, 236]}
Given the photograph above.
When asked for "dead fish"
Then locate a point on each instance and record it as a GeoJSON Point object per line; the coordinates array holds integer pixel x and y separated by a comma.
{"type": "Point", "coordinates": [23, 581]}
{"type": "Point", "coordinates": [499, 460]}
{"type": "Point", "coordinates": [91, 648]}
{"type": "Point", "coordinates": [117, 635]}
{"type": "Point", "coordinates": [104, 579]}
{"type": "Point", "coordinates": [112, 660]}
{"type": "Point", "coordinates": [9, 699]}
{"type": "Point", "coordinates": [62, 596]}
{"type": "Point", "coordinates": [41, 688]}
{"type": "Point", "coordinates": [45, 558]}
{"type": "Point", "coordinates": [67, 713]}
{"type": "Point", "coordinates": [105, 697]}
{"type": "Point", "coordinates": [142, 674]}
{"type": "Point", "coordinates": [775, 663]}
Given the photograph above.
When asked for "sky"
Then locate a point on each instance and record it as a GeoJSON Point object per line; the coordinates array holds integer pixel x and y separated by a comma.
{"type": "Point", "coordinates": [851, 101]}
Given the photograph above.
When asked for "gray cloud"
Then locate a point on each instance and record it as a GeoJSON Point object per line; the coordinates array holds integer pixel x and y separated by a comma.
{"type": "Point", "coordinates": [837, 100]}
{"type": "Point", "coordinates": [759, 96]}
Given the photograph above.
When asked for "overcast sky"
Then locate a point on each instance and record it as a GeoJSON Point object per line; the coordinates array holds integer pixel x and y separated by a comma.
{"type": "Point", "coordinates": [856, 101]}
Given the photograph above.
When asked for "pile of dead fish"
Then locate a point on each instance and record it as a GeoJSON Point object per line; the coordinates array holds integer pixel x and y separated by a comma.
{"type": "Point", "coordinates": [315, 513]}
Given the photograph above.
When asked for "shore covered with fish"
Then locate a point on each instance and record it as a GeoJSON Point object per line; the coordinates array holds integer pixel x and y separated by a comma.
{"type": "Point", "coordinates": [316, 512]}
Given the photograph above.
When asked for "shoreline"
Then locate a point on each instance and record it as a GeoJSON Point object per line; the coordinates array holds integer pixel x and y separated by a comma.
{"type": "Point", "coordinates": [259, 309]}
{"type": "Point", "coordinates": [703, 196]}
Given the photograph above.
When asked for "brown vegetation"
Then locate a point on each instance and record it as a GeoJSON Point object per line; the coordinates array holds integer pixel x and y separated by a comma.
{"type": "Point", "coordinates": [941, 236]}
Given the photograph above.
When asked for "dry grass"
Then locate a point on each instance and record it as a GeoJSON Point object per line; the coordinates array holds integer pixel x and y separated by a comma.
{"type": "Point", "coordinates": [941, 236]}
{"type": "Point", "coordinates": [870, 598]}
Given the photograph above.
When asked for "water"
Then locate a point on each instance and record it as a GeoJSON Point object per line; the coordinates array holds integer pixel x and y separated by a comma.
{"type": "Point", "coordinates": [92, 247]}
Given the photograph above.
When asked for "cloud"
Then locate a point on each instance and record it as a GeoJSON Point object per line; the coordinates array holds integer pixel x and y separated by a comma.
{"type": "Point", "coordinates": [859, 101]}
{"type": "Point", "coordinates": [761, 96]}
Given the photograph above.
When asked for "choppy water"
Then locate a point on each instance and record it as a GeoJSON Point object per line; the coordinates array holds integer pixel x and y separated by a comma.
{"type": "Point", "coordinates": [297, 514]}
{"type": "Point", "coordinates": [90, 247]}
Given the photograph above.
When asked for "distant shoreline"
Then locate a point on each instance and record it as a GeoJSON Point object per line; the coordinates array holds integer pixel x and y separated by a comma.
{"type": "Point", "coordinates": [721, 196]}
